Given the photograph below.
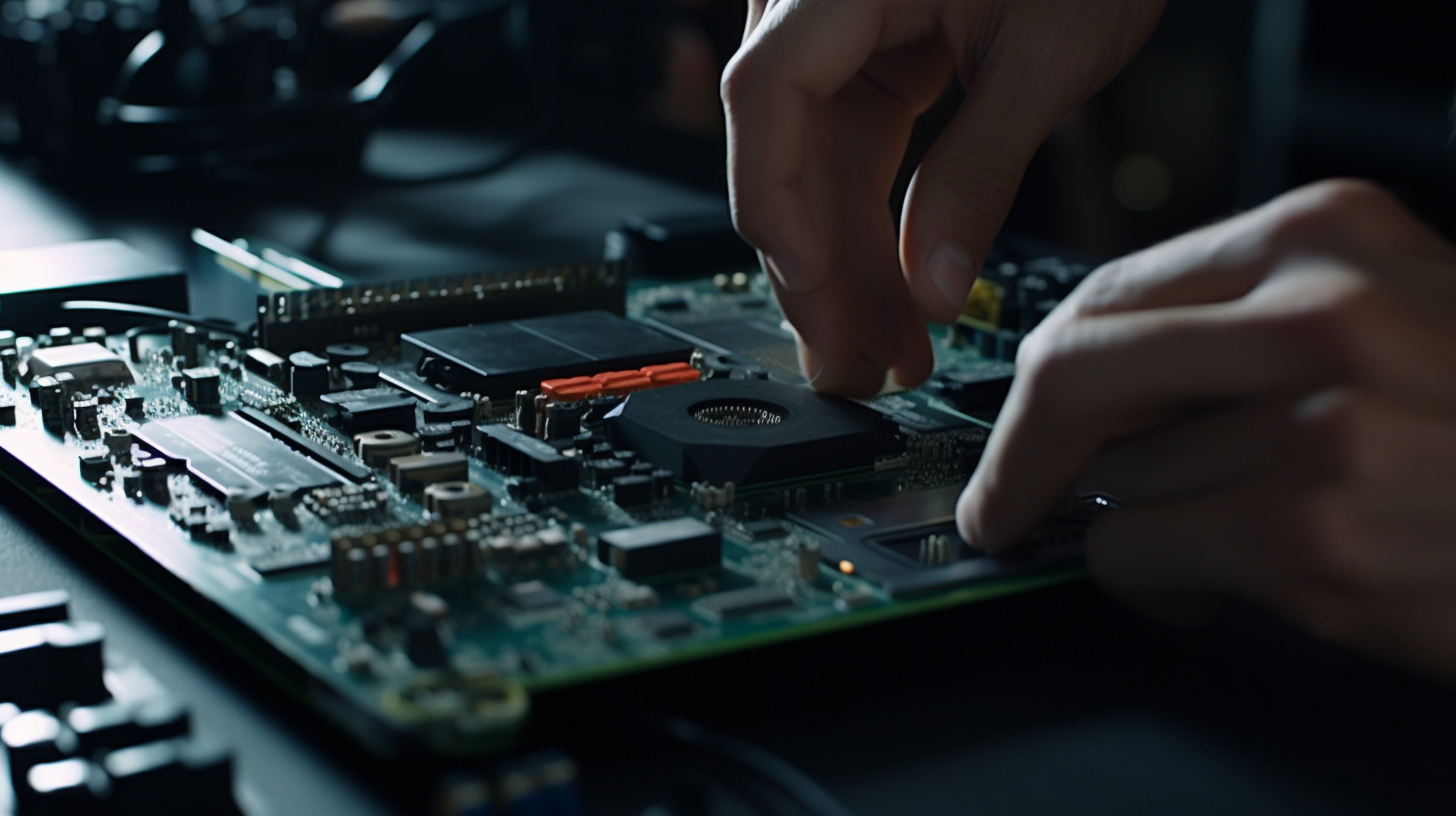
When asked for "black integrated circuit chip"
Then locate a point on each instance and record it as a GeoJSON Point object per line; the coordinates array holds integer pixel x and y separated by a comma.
{"type": "Point", "coordinates": [666, 625]}
{"type": "Point", "coordinates": [661, 548]}
{"type": "Point", "coordinates": [750, 432]}
{"type": "Point", "coordinates": [229, 455]}
{"type": "Point", "coordinates": [534, 596]}
{"type": "Point", "coordinates": [740, 603]}
{"type": "Point", "coordinates": [497, 359]}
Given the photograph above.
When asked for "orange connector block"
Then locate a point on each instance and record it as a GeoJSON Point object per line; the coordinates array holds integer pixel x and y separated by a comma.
{"type": "Point", "coordinates": [618, 383]}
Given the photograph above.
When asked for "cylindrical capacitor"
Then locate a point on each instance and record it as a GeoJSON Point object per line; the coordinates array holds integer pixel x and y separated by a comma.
{"type": "Point", "coordinates": [381, 566]}
{"type": "Point", "coordinates": [376, 448]}
{"type": "Point", "coordinates": [340, 353]}
{"type": "Point", "coordinates": [408, 563]}
{"type": "Point", "coordinates": [7, 339]}
{"type": "Point", "coordinates": [59, 336]}
{"type": "Point", "coordinates": [308, 375]}
{"type": "Point", "coordinates": [453, 557]}
{"type": "Point", "coordinates": [354, 577]}
{"type": "Point", "coordinates": [186, 345]}
{"type": "Point", "coordinates": [94, 334]}
{"type": "Point", "coordinates": [360, 375]}
{"type": "Point", "coordinates": [430, 561]}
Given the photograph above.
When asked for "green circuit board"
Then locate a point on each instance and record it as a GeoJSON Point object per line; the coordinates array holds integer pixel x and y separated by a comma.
{"type": "Point", "coordinates": [417, 556]}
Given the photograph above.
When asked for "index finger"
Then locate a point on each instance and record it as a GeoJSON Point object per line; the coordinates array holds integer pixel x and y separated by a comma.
{"type": "Point", "coordinates": [799, 54]}
{"type": "Point", "coordinates": [1115, 375]}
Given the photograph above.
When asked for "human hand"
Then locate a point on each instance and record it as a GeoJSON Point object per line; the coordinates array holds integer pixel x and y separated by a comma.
{"type": "Point", "coordinates": [1273, 401]}
{"type": "Point", "coordinates": [821, 100]}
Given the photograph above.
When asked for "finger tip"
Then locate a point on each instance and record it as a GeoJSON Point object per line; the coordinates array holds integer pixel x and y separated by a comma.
{"type": "Point", "coordinates": [969, 521]}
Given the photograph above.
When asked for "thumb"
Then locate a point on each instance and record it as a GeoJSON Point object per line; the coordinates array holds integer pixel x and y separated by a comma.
{"type": "Point", "coordinates": [957, 202]}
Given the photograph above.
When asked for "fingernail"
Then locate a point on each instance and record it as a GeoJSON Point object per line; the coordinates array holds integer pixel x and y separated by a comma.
{"type": "Point", "coordinates": [952, 272]}
{"type": "Point", "coordinates": [785, 271]}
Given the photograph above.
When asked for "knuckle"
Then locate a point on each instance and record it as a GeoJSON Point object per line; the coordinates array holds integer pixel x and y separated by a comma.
{"type": "Point", "coordinates": [735, 86]}
{"type": "Point", "coordinates": [1328, 319]}
{"type": "Point", "coordinates": [1105, 286]}
{"type": "Point", "coordinates": [1336, 208]}
{"type": "Point", "coordinates": [1046, 361]}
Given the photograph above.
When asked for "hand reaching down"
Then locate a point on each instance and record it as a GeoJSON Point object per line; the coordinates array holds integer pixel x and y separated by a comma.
{"type": "Point", "coordinates": [1273, 401]}
{"type": "Point", "coordinates": [821, 99]}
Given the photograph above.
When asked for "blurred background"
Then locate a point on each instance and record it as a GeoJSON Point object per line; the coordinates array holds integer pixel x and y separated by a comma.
{"type": "Point", "coordinates": [388, 136]}
{"type": "Point", "coordinates": [402, 138]}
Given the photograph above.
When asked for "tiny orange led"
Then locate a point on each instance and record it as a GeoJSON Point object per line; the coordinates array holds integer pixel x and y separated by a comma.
{"type": "Point", "coordinates": [846, 567]}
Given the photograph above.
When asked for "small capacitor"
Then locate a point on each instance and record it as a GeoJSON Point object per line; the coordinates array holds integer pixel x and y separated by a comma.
{"type": "Point", "coordinates": [480, 412]}
{"type": "Point", "coordinates": [308, 375]}
{"type": "Point", "coordinates": [59, 336]}
{"type": "Point", "coordinates": [154, 473]}
{"type": "Point", "coordinates": [131, 485]}
{"type": "Point", "coordinates": [94, 467]}
{"type": "Point", "coordinates": [563, 420]}
{"type": "Point", "coordinates": [201, 389]}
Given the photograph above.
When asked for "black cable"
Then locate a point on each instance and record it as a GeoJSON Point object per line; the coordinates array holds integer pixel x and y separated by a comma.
{"type": "Point", "coordinates": [512, 154]}
{"type": "Point", "coordinates": [114, 307]}
{"type": "Point", "coordinates": [787, 779]}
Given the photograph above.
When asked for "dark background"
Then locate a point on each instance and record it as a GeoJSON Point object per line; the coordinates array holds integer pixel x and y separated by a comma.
{"type": "Point", "coordinates": [1055, 702]}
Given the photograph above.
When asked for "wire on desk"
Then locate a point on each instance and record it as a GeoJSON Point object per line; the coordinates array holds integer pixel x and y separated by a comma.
{"type": "Point", "coordinates": [787, 779]}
